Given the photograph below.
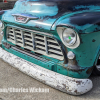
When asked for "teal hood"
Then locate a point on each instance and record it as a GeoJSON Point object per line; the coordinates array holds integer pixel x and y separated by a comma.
{"type": "Point", "coordinates": [50, 13]}
{"type": "Point", "coordinates": [46, 13]}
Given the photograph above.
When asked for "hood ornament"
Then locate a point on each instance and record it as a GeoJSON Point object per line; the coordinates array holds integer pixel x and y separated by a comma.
{"type": "Point", "coordinates": [24, 18]}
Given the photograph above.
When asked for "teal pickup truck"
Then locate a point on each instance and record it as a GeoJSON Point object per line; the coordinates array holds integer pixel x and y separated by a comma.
{"type": "Point", "coordinates": [54, 41]}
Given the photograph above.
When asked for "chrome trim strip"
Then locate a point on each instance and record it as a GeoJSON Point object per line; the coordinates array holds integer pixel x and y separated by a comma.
{"type": "Point", "coordinates": [27, 16]}
{"type": "Point", "coordinates": [46, 46]}
{"type": "Point", "coordinates": [33, 40]}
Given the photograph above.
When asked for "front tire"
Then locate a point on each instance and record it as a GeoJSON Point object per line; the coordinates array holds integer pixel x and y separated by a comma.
{"type": "Point", "coordinates": [96, 70]}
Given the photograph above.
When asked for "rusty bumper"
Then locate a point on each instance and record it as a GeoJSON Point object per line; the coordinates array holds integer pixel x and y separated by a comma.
{"type": "Point", "coordinates": [63, 83]}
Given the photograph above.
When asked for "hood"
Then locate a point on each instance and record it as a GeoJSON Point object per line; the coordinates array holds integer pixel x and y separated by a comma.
{"type": "Point", "coordinates": [47, 12]}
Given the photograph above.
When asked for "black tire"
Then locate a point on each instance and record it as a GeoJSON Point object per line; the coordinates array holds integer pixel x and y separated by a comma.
{"type": "Point", "coordinates": [96, 70]}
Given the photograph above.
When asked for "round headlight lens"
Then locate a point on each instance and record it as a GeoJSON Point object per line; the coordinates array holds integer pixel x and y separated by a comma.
{"type": "Point", "coordinates": [69, 36]}
{"type": "Point", "coordinates": [1, 24]}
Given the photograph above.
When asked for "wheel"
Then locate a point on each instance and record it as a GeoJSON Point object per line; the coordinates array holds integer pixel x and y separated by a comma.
{"type": "Point", "coordinates": [96, 70]}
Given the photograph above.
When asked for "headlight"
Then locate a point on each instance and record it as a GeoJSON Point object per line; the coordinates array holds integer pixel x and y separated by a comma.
{"type": "Point", "coordinates": [1, 24]}
{"type": "Point", "coordinates": [69, 36]}
{"type": "Point", "coordinates": [1, 28]}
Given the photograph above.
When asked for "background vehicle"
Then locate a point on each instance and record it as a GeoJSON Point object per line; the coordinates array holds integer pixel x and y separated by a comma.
{"type": "Point", "coordinates": [7, 4]}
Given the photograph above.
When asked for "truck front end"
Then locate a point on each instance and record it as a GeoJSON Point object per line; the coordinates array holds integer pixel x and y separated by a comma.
{"type": "Point", "coordinates": [40, 40]}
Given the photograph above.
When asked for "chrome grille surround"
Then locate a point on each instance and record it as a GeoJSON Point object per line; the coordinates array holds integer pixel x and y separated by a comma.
{"type": "Point", "coordinates": [39, 42]}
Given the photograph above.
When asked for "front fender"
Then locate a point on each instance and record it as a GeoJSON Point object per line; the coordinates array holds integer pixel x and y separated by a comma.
{"type": "Point", "coordinates": [1, 13]}
{"type": "Point", "coordinates": [84, 22]}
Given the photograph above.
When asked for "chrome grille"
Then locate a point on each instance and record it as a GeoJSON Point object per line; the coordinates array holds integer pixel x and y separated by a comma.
{"type": "Point", "coordinates": [39, 42]}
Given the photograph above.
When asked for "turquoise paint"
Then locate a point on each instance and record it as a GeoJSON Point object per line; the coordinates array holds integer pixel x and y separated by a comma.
{"type": "Point", "coordinates": [87, 28]}
{"type": "Point", "coordinates": [87, 52]}
{"type": "Point", "coordinates": [90, 7]}
{"type": "Point", "coordinates": [51, 65]}
{"type": "Point", "coordinates": [84, 57]}
{"type": "Point", "coordinates": [36, 9]}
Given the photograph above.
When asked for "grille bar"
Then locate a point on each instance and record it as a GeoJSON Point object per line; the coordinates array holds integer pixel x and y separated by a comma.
{"type": "Point", "coordinates": [35, 41]}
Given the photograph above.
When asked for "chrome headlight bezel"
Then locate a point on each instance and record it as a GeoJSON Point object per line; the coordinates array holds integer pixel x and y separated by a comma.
{"type": "Point", "coordinates": [1, 25]}
{"type": "Point", "coordinates": [60, 31]}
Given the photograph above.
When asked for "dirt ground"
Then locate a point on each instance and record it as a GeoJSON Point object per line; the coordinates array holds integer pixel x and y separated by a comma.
{"type": "Point", "coordinates": [12, 78]}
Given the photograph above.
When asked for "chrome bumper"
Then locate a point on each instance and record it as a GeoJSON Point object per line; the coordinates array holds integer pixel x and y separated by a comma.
{"type": "Point", "coordinates": [63, 83]}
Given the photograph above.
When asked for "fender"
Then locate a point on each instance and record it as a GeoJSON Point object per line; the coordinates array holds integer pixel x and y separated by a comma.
{"type": "Point", "coordinates": [2, 12]}
{"type": "Point", "coordinates": [83, 22]}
